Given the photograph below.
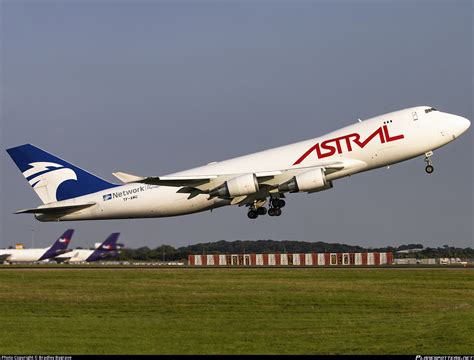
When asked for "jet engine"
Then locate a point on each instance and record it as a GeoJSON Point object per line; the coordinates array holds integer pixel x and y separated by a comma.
{"type": "Point", "coordinates": [310, 181]}
{"type": "Point", "coordinates": [238, 186]}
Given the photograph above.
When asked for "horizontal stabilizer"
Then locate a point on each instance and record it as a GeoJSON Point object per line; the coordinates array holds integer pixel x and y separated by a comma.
{"type": "Point", "coordinates": [55, 209]}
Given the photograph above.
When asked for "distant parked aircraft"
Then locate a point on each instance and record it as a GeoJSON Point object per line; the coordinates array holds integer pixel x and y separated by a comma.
{"type": "Point", "coordinates": [32, 255]}
{"type": "Point", "coordinates": [109, 248]}
{"type": "Point", "coordinates": [70, 193]}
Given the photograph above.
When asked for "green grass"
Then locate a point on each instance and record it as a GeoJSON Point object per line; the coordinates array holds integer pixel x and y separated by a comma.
{"type": "Point", "coordinates": [237, 311]}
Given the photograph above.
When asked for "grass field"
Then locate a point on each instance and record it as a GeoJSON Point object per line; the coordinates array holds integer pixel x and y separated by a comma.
{"type": "Point", "coordinates": [237, 311]}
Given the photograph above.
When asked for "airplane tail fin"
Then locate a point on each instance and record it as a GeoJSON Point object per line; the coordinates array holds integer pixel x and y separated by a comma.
{"type": "Point", "coordinates": [52, 178]}
{"type": "Point", "coordinates": [59, 246]}
{"type": "Point", "coordinates": [109, 248]}
{"type": "Point", "coordinates": [110, 243]}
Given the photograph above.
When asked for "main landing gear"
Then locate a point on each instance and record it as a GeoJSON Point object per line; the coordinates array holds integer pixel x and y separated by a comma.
{"type": "Point", "coordinates": [276, 205]}
{"type": "Point", "coordinates": [257, 209]}
{"type": "Point", "coordinates": [252, 214]}
{"type": "Point", "coordinates": [429, 167]}
{"type": "Point", "coordinates": [275, 209]}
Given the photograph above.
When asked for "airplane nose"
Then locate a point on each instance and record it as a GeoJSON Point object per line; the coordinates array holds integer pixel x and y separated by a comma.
{"type": "Point", "coordinates": [467, 123]}
{"type": "Point", "coordinates": [464, 124]}
{"type": "Point", "coordinates": [461, 124]}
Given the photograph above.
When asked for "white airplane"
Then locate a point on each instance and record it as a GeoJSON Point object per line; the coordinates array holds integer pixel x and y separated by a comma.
{"type": "Point", "coordinates": [108, 248]}
{"type": "Point", "coordinates": [32, 255]}
{"type": "Point", "coordinates": [70, 193]}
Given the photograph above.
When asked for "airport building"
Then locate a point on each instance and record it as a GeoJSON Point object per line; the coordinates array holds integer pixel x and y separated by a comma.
{"type": "Point", "coordinates": [307, 259]}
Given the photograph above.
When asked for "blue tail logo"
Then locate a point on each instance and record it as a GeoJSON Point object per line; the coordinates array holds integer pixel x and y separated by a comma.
{"type": "Point", "coordinates": [50, 175]}
{"type": "Point", "coordinates": [109, 248]}
{"type": "Point", "coordinates": [110, 243]}
{"type": "Point", "coordinates": [59, 245]}
{"type": "Point", "coordinates": [52, 178]}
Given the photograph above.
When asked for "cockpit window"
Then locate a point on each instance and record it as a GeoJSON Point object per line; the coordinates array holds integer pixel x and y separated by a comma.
{"type": "Point", "coordinates": [430, 110]}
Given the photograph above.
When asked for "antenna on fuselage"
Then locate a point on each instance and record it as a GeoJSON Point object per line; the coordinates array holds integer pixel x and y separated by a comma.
{"type": "Point", "coordinates": [359, 120]}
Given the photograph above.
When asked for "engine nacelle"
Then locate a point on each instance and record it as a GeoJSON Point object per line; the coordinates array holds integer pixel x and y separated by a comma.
{"type": "Point", "coordinates": [238, 186]}
{"type": "Point", "coordinates": [310, 181]}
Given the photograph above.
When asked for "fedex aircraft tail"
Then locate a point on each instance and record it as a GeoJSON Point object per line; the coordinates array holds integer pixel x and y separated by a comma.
{"type": "Point", "coordinates": [52, 178]}
{"type": "Point", "coordinates": [110, 243]}
{"type": "Point", "coordinates": [59, 246]}
{"type": "Point", "coordinates": [109, 248]}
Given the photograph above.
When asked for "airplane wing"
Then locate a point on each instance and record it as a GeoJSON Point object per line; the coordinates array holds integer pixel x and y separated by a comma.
{"type": "Point", "coordinates": [178, 181]}
{"type": "Point", "coordinates": [194, 181]}
{"type": "Point", "coordinates": [182, 181]}
{"type": "Point", "coordinates": [53, 210]}
{"type": "Point", "coordinates": [268, 181]}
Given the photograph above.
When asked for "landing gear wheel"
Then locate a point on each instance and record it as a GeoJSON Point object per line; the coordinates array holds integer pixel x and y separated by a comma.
{"type": "Point", "coordinates": [281, 203]}
{"type": "Point", "coordinates": [429, 165]}
{"type": "Point", "coordinates": [276, 202]}
{"type": "Point", "coordinates": [252, 214]}
{"type": "Point", "coordinates": [261, 211]}
{"type": "Point", "coordinates": [271, 212]}
{"type": "Point", "coordinates": [277, 212]}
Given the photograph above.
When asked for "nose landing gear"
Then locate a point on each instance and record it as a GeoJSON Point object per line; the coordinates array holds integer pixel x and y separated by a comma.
{"type": "Point", "coordinates": [429, 167]}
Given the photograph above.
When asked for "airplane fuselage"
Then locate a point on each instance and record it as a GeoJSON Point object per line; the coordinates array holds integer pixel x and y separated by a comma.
{"type": "Point", "coordinates": [362, 146]}
{"type": "Point", "coordinates": [22, 255]}
{"type": "Point", "coordinates": [80, 255]}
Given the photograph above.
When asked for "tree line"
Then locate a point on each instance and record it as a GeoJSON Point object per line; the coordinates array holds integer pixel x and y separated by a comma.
{"type": "Point", "coordinates": [169, 253]}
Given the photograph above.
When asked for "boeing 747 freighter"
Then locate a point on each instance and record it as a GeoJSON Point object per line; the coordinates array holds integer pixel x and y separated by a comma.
{"type": "Point", "coordinates": [255, 180]}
